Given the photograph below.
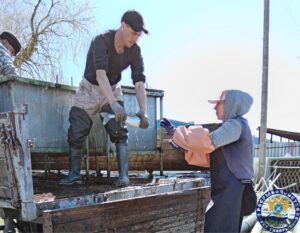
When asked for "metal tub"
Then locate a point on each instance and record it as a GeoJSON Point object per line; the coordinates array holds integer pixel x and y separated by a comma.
{"type": "Point", "coordinates": [48, 109]}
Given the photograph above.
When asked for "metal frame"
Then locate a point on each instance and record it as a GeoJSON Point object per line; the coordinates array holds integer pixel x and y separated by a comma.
{"type": "Point", "coordinates": [18, 156]}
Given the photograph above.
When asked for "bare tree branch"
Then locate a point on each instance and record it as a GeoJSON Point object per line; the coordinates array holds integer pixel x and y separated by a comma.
{"type": "Point", "coordinates": [44, 27]}
{"type": "Point", "coordinates": [46, 16]}
{"type": "Point", "coordinates": [33, 15]}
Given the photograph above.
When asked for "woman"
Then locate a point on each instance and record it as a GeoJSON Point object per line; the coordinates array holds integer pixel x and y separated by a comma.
{"type": "Point", "coordinates": [231, 163]}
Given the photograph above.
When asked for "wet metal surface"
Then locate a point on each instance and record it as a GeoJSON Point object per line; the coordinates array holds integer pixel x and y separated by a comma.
{"type": "Point", "coordinates": [101, 189]}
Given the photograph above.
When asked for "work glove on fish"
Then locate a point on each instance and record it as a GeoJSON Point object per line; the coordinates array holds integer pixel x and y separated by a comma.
{"type": "Point", "coordinates": [119, 112]}
{"type": "Point", "coordinates": [168, 126]}
{"type": "Point", "coordinates": [144, 119]}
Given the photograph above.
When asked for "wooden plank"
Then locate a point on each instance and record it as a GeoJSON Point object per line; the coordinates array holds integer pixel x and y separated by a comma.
{"type": "Point", "coordinates": [146, 203]}
{"type": "Point", "coordinates": [175, 222]}
{"type": "Point", "coordinates": [47, 223]}
{"type": "Point", "coordinates": [172, 160]}
{"type": "Point", "coordinates": [144, 220]}
{"type": "Point", "coordinates": [15, 155]}
{"type": "Point", "coordinates": [171, 212]}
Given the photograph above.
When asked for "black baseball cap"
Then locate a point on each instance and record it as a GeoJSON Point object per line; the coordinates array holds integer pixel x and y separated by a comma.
{"type": "Point", "coordinates": [12, 40]}
{"type": "Point", "coordinates": [135, 20]}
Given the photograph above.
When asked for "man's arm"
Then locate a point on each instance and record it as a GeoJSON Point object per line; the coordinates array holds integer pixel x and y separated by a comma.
{"type": "Point", "coordinates": [141, 95]}
{"type": "Point", "coordinates": [106, 90]}
{"type": "Point", "coordinates": [142, 101]}
{"type": "Point", "coordinates": [104, 86]}
{"type": "Point", "coordinates": [6, 63]}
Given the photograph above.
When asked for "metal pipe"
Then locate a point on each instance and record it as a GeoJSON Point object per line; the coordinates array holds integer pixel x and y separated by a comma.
{"type": "Point", "coordinates": [248, 223]}
{"type": "Point", "coordinates": [108, 156]}
{"type": "Point", "coordinates": [257, 228]}
{"type": "Point", "coordinates": [87, 159]}
{"type": "Point", "coordinates": [297, 227]}
{"type": "Point", "coordinates": [264, 94]}
{"type": "Point", "coordinates": [161, 136]}
{"type": "Point", "coordinates": [97, 165]}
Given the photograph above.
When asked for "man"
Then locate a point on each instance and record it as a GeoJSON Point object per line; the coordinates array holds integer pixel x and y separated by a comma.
{"type": "Point", "coordinates": [231, 162]}
{"type": "Point", "coordinates": [9, 47]}
{"type": "Point", "coordinates": [99, 92]}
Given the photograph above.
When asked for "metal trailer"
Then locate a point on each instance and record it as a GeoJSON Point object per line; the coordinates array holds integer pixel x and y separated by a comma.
{"type": "Point", "coordinates": [34, 120]}
{"type": "Point", "coordinates": [48, 109]}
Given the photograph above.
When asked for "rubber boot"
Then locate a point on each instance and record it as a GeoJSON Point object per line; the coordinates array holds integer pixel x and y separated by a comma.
{"type": "Point", "coordinates": [122, 157]}
{"type": "Point", "coordinates": [74, 168]}
{"type": "Point", "coordinates": [9, 225]}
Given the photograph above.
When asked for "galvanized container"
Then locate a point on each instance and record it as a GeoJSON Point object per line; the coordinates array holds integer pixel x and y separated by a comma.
{"type": "Point", "coordinates": [48, 110]}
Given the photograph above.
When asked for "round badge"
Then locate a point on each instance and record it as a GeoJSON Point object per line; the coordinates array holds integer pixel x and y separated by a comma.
{"type": "Point", "coordinates": [278, 210]}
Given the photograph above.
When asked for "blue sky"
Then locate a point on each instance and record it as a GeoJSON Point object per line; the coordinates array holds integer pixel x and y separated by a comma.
{"type": "Point", "coordinates": [197, 48]}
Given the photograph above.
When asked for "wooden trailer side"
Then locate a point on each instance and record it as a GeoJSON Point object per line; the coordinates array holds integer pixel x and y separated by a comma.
{"type": "Point", "coordinates": [180, 211]}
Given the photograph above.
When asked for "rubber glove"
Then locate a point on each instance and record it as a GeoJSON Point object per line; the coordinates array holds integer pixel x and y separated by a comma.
{"type": "Point", "coordinates": [168, 126]}
{"type": "Point", "coordinates": [119, 112]}
{"type": "Point", "coordinates": [144, 119]}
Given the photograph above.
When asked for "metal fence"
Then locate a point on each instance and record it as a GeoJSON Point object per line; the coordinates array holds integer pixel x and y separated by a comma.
{"type": "Point", "coordinates": [279, 149]}
{"type": "Point", "coordinates": [288, 169]}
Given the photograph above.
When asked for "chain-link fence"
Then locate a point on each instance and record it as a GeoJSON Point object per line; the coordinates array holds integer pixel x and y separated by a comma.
{"type": "Point", "coordinates": [289, 170]}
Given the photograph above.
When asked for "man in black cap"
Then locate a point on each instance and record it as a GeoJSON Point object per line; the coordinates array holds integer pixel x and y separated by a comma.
{"type": "Point", "coordinates": [9, 47]}
{"type": "Point", "coordinates": [99, 92]}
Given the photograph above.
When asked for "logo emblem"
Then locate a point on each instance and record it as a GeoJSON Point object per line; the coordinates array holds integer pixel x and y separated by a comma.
{"type": "Point", "coordinates": [278, 211]}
